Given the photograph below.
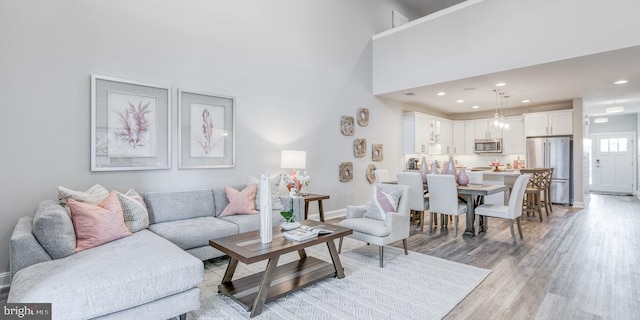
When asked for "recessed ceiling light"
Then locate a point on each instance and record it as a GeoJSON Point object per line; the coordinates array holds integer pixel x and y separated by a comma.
{"type": "Point", "coordinates": [600, 120]}
{"type": "Point", "coordinates": [621, 82]}
{"type": "Point", "coordinates": [409, 94]}
{"type": "Point", "coordinates": [526, 101]}
{"type": "Point", "coordinates": [475, 107]}
{"type": "Point", "coordinates": [614, 109]}
{"type": "Point", "coordinates": [460, 101]}
{"type": "Point", "coordinates": [500, 84]}
{"type": "Point", "coordinates": [441, 93]}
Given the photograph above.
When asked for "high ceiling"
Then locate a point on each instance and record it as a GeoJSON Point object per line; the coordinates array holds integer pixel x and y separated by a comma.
{"type": "Point", "coordinates": [589, 77]}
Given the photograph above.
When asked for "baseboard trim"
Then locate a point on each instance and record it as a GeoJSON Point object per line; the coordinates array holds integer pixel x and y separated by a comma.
{"type": "Point", "coordinates": [5, 283]}
{"type": "Point", "coordinates": [329, 214]}
{"type": "Point", "coordinates": [579, 205]}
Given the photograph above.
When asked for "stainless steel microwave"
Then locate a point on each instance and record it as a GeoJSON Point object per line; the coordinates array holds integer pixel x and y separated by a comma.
{"type": "Point", "coordinates": [487, 146]}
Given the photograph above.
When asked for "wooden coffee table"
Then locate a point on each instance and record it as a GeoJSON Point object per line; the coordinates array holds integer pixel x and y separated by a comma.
{"type": "Point", "coordinates": [253, 291]}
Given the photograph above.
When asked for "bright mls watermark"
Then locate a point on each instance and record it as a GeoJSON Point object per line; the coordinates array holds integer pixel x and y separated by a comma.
{"type": "Point", "coordinates": [26, 311]}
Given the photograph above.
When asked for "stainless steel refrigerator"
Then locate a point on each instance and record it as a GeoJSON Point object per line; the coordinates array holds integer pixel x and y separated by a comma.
{"type": "Point", "coordinates": [556, 153]}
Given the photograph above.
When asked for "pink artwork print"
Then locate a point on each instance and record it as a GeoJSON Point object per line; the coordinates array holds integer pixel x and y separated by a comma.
{"type": "Point", "coordinates": [131, 125]}
{"type": "Point", "coordinates": [207, 131]}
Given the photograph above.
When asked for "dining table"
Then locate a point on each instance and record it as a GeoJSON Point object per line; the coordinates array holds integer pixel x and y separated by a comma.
{"type": "Point", "coordinates": [470, 192]}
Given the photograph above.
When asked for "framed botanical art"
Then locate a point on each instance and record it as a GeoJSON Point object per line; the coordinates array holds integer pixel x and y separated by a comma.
{"type": "Point", "coordinates": [206, 130]}
{"type": "Point", "coordinates": [130, 125]}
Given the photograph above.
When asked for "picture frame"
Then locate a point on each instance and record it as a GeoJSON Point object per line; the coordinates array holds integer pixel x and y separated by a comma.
{"type": "Point", "coordinates": [206, 130]}
{"type": "Point", "coordinates": [130, 125]}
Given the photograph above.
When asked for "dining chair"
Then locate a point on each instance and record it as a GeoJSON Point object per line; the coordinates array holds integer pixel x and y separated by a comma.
{"type": "Point", "coordinates": [547, 190]}
{"type": "Point", "coordinates": [535, 190]}
{"type": "Point", "coordinates": [372, 226]}
{"type": "Point", "coordinates": [443, 199]}
{"type": "Point", "coordinates": [476, 177]}
{"type": "Point", "coordinates": [418, 200]}
{"type": "Point", "coordinates": [511, 212]}
{"type": "Point", "coordinates": [382, 175]}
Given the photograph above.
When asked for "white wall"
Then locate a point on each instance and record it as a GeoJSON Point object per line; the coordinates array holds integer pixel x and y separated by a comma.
{"type": "Point", "coordinates": [615, 123]}
{"type": "Point", "coordinates": [295, 68]}
{"type": "Point", "coordinates": [496, 35]}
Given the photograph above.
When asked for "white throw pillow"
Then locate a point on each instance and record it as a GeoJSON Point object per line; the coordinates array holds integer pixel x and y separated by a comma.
{"type": "Point", "coordinates": [382, 202]}
{"type": "Point", "coordinates": [274, 182]}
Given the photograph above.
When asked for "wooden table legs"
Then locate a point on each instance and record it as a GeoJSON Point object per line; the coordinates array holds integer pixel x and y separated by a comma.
{"type": "Point", "coordinates": [258, 304]}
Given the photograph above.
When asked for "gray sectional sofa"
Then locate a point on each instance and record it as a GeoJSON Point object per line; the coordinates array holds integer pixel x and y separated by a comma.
{"type": "Point", "coordinates": [152, 274]}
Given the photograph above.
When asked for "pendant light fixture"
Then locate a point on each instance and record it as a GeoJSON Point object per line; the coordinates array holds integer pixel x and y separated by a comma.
{"type": "Point", "coordinates": [499, 117]}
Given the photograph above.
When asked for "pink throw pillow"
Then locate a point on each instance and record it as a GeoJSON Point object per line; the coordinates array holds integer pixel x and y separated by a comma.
{"type": "Point", "coordinates": [96, 225]}
{"type": "Point", "coordinates": [240, 202]}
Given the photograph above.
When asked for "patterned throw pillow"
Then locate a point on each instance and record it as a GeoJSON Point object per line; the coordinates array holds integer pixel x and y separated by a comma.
{"type": "Point", "coordinates": [96, 225]}
{"type": "Point", "coordinates": [94, 195]}
{"type": "Point", "coordinates": [274, 182]}
{"type": "Point", "coordinates": [240, 202]}
{"type": "Point", "coordinates": [134, 210]}
{"type": "Point", "coordinates": [382, 202]}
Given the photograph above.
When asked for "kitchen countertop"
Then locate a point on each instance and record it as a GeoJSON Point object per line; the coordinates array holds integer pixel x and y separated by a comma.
{"type": "Point", "coordinates": [501, 173]}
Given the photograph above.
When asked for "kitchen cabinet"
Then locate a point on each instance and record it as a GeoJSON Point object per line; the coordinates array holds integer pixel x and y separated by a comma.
{"type": "Point", "coordinates": [416, 133]}
{"type": "Point", "coordinates": [459, 136]}
{"type": "Point", "coordinates": [446, 136]}
{"type": "Point", "coordinates": [469, 136]}
{"type": "Point", "coordinates": [427, 134]}
{"type": "Point", "coordinates": [552, 123]}
{"type": "Point", "coordinates": [485, 130]}
{"type": "Point", "coordinates": [513, 139]}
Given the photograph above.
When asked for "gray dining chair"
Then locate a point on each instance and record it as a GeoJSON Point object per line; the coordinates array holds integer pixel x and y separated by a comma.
{"type": "Point", "coordinates": [511, 212]}
{"type": "Point", "coordinates": [418, 200]}
{"type": "Point", "coordinates": [443, 199]}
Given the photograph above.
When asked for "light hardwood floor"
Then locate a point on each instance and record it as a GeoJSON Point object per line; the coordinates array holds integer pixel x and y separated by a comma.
{"type": "Point", "coordinates": [577, 264]}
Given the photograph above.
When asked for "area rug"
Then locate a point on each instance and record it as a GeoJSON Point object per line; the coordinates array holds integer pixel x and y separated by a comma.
{"type": "Point", "coordinates": [415, 286]}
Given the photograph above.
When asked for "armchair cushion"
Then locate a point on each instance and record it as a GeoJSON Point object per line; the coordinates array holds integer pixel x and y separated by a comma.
{"type": "Point", "coordinates": [382, 202]}
{"type": "Point", "coordinates": [367, 226]}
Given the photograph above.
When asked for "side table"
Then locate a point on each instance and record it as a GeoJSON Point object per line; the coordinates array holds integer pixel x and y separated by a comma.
{"type": "Point", "coordinates": [314, 197]}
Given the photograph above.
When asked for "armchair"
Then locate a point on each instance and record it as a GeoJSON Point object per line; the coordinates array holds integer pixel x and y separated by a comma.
{"type": "Point", "coordinates": [394, 227]}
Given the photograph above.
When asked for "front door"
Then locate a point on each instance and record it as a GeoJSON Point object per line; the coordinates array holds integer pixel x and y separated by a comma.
{"type": "Point", "coordinates": [613, 167]}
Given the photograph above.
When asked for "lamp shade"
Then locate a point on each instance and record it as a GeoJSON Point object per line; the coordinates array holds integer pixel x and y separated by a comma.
{"type": "Point", "coordinates": [293, 159]}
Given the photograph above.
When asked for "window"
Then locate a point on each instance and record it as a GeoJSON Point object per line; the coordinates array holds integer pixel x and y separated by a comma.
{"type": "Point", "coordinates": [613, 145]}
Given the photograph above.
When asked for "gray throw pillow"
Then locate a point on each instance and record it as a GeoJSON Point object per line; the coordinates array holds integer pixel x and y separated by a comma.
{"type": "Point", "coordinates": [53, 228]}
{"type": "Point", "coordinates": [382, 202]}
{"type": "Point", "coordinates": [134, 211]}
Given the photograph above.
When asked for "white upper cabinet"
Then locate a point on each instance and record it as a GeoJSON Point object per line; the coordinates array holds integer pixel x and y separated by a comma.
{"type": "Point", "coordinates": [513, 139]}
{"type": "Point", "coordinates": [416, 133]}
{"type": "Point", "coordinates": [459, 136]}
{"type": "Point", "coordinates": [446, 136]}
{"type": "Point", "coordinates": [469, 136]}
{"type": "Point", "coordinates": [552, 123]}
{"type": "Point", "coordinates": [484, 130]}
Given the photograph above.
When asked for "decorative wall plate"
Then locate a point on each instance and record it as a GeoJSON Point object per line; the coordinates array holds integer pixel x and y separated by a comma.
{"type": "Point", "coordinates": [363, 117]}
{"type": "Point", "coordinates": [346, 171]}
{"type": "Point", "coordinates": [347, 125]}
{"type": "Point", "coordinates": [376, 152]}
{"type": "Point", "coordinates": [370, 176]}
{"type": "Point", "coordinates": [359, 147]}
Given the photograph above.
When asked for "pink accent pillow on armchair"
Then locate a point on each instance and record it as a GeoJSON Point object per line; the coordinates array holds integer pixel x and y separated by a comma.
{"type": "Point", "coordinates": [96, 225]}
{"type": "Point", "coordinates": [240, 202]}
